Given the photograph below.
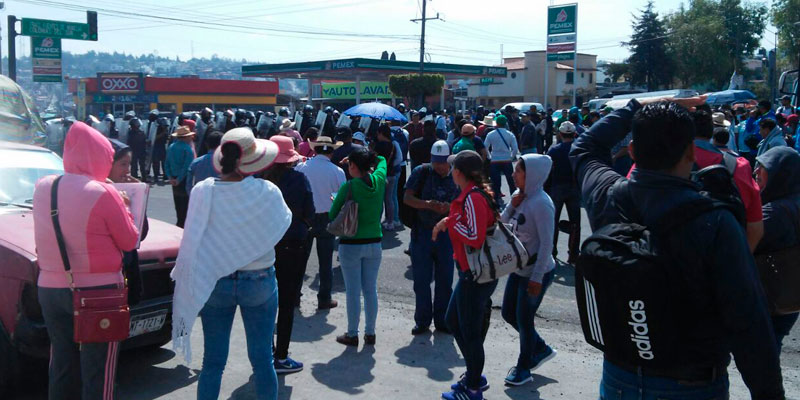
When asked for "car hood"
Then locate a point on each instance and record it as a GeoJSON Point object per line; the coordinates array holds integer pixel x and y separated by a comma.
{"type": "Point", "coordinates": [16, 231]}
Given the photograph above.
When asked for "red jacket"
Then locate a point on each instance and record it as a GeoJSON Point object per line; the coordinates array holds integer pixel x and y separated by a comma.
{"type": "Point", "coordinates": [467, 223]}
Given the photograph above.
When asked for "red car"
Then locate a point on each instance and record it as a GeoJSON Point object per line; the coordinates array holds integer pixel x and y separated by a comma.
{"type": "Point", "coordinates": [22, 329]}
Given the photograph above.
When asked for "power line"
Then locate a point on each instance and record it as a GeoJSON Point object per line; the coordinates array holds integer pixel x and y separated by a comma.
{"type": "Point", "coordinates": [210, 25]}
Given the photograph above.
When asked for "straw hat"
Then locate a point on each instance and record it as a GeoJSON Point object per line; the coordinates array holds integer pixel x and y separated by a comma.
{"type": "Point", "coordinates": [324, 142]}
{"type": "Point", "coordinates": [257, 154]}
{"type": "Point", "coordinates": [182, 132]}
{"type": "Point", "coordinates": [719, 119]}
{"type": "Point", "coordinates": [286, 125]}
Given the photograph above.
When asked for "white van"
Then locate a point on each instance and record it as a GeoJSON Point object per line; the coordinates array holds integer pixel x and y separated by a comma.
{"type": "Point", "coordinates": [524, 107]}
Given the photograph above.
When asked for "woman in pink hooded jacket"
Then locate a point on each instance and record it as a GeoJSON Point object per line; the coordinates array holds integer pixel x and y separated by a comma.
{"type": "Point", "coordinates": [97, 227]}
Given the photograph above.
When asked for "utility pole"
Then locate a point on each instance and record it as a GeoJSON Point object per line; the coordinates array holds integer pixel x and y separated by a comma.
{"type": "Point", "coordinates": [422, 40]}
{"type": "Point", "coordinates": [422, 36]}
{"type": "Point", "coordinates": [12, 47]}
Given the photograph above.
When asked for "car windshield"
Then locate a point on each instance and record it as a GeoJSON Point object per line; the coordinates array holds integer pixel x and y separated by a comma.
{"type": "Point", "coordinates": [21, 169]}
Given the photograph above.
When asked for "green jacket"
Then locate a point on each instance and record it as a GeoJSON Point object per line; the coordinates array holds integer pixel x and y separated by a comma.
{"type": "Point", "coordinates": [370, 203]}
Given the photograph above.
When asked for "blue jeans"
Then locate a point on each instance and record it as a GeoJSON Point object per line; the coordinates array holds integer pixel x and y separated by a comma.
{"type": "Point", "coordinates": [390, 199]}
{"type": "Point", "coordinates": [620, 384]}
{"type": "Point", "coordinates": [782, 325]}
{"type": "Point", "coordinates": [519, 310]}
{"type": "Point", "coordinates": [256, 293]}
{"type": "Point", "coordinates": [431, 261]}
{"type": "Point", "coordinates": [496, 172]}
{"type": "Point", "coordinates": [360, 265]}
{"type": "Point", "coordinates": [325, 243]}
{"type": "Point", "coordinates": [465, 319]}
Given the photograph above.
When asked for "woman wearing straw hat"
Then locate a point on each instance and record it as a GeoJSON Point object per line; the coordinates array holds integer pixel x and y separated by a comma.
{"type": "Point", "coordinates": [227, 259]}
{"type": "Point", "coordinates": [179, 157]}
{"type": "Point", "coordinates": [287, 129]}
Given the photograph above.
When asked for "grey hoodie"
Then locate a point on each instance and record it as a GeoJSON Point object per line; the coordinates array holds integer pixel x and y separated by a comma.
{"type": "Point", "coordinates": [534, 220]}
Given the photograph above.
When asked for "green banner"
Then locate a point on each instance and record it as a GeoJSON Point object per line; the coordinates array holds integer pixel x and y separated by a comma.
{"type": "Point", "coordinates": [561, 56]}
{"type": "Point", "coordinates": [347, 90]}
{"type": "Point", "coordinates": [562, 19]}
{"type": "Point", "coordinates": [56, 29]}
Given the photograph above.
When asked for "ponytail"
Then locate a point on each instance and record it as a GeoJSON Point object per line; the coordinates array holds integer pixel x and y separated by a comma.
{"type": "Point", "coordinates": [231, 154]}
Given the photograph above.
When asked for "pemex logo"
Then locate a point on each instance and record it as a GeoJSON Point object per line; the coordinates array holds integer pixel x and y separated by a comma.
{"type": "Point", "coordinates": [562, 16]}
{"type": "Point", "coordinates": [47, 42]}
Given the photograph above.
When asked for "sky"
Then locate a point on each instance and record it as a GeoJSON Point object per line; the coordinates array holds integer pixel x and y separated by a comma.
{"type": "Point", "coordinates": [273, 31]}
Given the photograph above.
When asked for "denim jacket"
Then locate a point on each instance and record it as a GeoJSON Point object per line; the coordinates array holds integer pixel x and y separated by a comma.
{"type": "Point", "coordinates": [724, 303]}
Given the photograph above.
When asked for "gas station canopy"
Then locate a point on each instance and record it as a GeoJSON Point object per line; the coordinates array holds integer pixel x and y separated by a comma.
{"type": "Point", "coordinates": [367, 69]}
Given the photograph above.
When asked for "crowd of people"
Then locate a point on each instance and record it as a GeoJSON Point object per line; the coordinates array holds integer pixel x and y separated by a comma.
{"type": "Point", "coordinates": [614, 163]}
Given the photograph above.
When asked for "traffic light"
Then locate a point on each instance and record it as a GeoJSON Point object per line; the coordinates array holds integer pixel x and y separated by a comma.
{"type": "Point", "coordinates": [91, 19]}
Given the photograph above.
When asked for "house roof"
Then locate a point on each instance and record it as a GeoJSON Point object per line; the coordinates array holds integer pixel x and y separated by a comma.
{"type": "Point", "coordinates": [516, 63]}
{"type": "Point", "coordinates": [561, 66]}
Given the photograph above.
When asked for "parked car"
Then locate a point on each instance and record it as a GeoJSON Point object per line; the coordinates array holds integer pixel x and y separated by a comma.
{"type": "Point", "coordinates": [22, 329]}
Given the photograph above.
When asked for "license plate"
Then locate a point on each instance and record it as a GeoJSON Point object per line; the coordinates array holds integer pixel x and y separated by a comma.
{"type": "Point", "coordinates": [147, 323]}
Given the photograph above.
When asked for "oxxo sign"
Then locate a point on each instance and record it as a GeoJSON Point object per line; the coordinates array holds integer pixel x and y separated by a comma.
{"type": "Point", "coordinates": [119, 83]}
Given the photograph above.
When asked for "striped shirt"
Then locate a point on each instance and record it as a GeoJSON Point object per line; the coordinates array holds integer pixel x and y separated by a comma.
{"type": "Point", "coordinates": [470, 217]}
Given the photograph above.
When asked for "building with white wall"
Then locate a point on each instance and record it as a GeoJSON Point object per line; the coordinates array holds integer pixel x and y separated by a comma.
{"type": "Point", "coordinates": [526, 82]}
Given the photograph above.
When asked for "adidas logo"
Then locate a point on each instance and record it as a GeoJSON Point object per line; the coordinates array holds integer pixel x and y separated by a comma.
{"type": "Point", "coordinates": [640, 330]}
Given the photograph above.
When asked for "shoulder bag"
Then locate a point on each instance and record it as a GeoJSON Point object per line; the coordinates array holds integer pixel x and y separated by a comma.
{"type": "Point", "coordinates": [780, 278]}
{"type": "Point", "coordinates": [501, 253]}
{"type": "Point", "coordinates": [346, 223]}
{"type": "Point", "coordinates": [99, 315]}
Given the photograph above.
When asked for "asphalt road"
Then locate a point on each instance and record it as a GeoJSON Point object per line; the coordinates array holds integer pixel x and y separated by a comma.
{"type": "Point", "coordinates": [432, 359]}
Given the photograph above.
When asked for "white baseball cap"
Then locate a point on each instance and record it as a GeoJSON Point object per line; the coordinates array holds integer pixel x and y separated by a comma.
{"type": "Point", "coordinates": [567, 127]}
{"type": "Point", "coordinates": [440, 151]}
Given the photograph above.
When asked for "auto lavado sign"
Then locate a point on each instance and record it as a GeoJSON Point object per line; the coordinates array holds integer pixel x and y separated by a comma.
{"type": "Point", "coordinates": [347, 91]}
{"type": "Point", "coordinates": [46, 59]}
{"type": "Point", "coordinates": [562, 19]}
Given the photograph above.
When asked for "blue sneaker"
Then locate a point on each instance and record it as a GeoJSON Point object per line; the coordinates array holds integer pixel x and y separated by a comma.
{"type": "Point", "coordinates": [518, 377]}
{"type": "Point", "coordinates": [544, 356]}
{"type": "Point", "coordinates": [462, 393]}
{"type": "Point", "coordinates": [463, 383]}
{"type": "Point", "coordinates": [288, 366]}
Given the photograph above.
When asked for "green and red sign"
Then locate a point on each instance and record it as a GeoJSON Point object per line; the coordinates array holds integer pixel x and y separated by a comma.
{"type": "Point", "coordinates": [46, 59]}
{"type": "Point", "coordinates": [562, 19]}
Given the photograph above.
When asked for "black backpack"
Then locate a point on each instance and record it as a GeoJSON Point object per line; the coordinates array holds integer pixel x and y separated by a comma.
{"type": "Point", "coordinates": [629, 294]}
{"type": "Point", "coordinates": [408, 214]}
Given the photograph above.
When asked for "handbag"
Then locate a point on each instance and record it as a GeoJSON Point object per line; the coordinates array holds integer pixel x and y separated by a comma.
{"type": "Point", "coordinates": [780, 278]}
{"type": "Point", "coordinates": [346, 223]}
{"type": "Point", "coordinates": [501, 253]}
{"type": "Point", "coordinates": [99, 315]}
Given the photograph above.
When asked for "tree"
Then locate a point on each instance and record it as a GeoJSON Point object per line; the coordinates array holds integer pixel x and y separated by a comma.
{"type": "Point", "coordinates": [618, 70]}
{"type": "Point", "coordinates": [743, 26]}
{"type": "Point", "coordinates": [649, 64]}
{"type": "Point", "coordinates": [785, 13]}
{"type": "Point", "coordinates": [413, 85]}
{"type": "Point", "coordinates": [709, 40]}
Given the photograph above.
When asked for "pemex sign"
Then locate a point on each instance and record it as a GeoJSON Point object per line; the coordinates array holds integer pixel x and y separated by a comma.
{"type": "Point", "coordinates": [562, 19]}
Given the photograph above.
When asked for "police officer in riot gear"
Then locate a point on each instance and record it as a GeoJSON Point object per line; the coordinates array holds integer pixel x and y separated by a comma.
{"type": "Point", "coordinates": [201, 128]}
{"type": "Point", "coordinates": [283, 113]}
{"type": "Point", "coordinates": [308, 118]}
{"type": "Point", "coordinates": [329, 128]}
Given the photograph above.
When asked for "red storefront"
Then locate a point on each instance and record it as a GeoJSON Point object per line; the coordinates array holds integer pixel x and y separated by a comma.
{"type": "Point", "coordinates": [119, 93]}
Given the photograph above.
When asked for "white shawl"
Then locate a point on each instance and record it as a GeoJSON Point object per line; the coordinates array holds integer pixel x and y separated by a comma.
{"type": "Point", "coordinates": [227, 227]}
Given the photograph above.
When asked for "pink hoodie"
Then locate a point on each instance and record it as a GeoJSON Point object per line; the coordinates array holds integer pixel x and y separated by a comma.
{"type": "Point", "coordinates": [95, 222]}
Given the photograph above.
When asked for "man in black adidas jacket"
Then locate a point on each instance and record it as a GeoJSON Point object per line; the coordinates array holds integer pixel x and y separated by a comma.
{"type": "Point", "coordinates": [722, 295]}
